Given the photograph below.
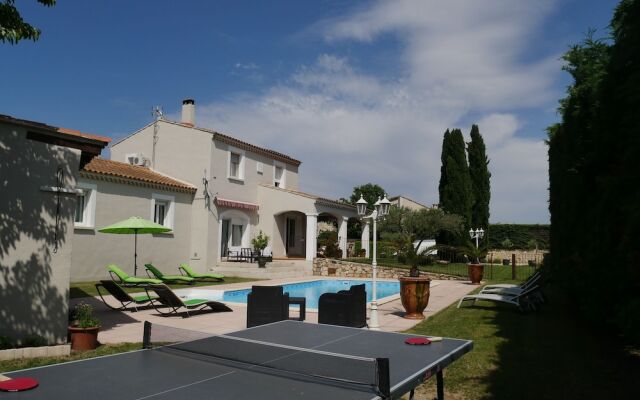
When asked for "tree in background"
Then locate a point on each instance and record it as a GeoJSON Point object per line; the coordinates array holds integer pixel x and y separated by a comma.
{"type": "Point", "coordinates": [402, 227]}
{"type": "Point", "coordinates": [12, 27]}
{"type": "Point", "coordinates": [480, 179]}
{"type": "Point", "coordinates": [370, 192]}
{"type": "Point", "coordinates": [456, 196]}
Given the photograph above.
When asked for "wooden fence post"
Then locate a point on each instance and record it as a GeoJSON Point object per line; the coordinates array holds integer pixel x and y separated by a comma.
{"type": "Point", "coordinates": [513, 266]}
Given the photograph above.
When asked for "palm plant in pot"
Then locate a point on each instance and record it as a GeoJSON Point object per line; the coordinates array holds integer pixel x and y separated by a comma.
{"type": "Point", "coordinates": [415, 289]}
{"type": "Point", "coordinates": [414, 227]}
{"type": "Point", "coordinates": [474, 255]}
{"type": "Point", "coordinates": [260, 243]}
{"type": "Point", "coordinates": [84, 328]}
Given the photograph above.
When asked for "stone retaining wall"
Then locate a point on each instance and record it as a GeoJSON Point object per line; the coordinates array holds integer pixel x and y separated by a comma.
{"type": "Point", "coordinates": [348, 269]}
{"type": "Point", "coordinates": [522, 256]}
{"type": "Point", "coordinates": [33, 352]}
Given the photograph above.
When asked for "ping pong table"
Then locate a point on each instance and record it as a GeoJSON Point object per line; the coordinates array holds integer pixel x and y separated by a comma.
{"type": "Point", "coordinates": [282, 360]}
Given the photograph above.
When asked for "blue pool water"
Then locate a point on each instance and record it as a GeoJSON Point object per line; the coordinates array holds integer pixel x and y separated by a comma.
{"type": "Point", "coordinates": [312, 290]}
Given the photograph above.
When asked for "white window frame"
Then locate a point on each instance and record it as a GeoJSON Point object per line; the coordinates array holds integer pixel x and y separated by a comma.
{"type": "Point", "coordinates": [169, 214]}
{"type": "Point", "coordinates": [89, 213]}
{"type": "Point", "coordinates": [283, 179]}
{"type": "Point", "coordinates": [240, 152]}
{"type": "Point", "coordinates": [260, 167]}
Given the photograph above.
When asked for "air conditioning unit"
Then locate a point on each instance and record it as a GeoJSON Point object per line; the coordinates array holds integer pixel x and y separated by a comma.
{"type": "Point", "coordinates": [137, 159]}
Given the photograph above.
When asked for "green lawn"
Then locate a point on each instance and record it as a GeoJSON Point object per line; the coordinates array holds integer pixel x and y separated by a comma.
{"type": "Point", "coordinates": [542, 355]}
{"type": "Point", "coordinates": [13, 365]}
{"type": "Point", "coordinates": [88, 289]}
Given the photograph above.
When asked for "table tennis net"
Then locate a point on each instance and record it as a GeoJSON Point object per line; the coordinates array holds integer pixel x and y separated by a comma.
{"type": "Point", "coordinates": [265, 357]}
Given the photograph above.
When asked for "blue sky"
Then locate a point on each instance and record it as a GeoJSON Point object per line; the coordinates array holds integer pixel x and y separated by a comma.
{"type": "Point", "coordinates": [359, 91]}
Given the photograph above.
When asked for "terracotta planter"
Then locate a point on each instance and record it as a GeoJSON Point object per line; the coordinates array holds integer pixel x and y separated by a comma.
{"type": "Point", "coordinates": [414, 293]}
{"type": "Point", "coordinates": [84, 338]}
{"type": "Point", "coordinates": [475, 273]}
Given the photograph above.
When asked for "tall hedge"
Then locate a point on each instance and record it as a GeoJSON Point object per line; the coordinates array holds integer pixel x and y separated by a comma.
{"type": "Point", "coordinates": [480, 179]}
{"type": "Point", "coordinates": [594, 175]}
{"type": "Point", "coordinates": [522, 236]}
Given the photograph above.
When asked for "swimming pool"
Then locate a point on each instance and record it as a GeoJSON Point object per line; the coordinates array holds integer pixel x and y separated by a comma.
{"type": "Point", "coordinates": [310, 290]}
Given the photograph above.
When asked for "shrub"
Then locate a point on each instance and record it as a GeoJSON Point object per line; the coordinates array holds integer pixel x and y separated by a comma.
{"type": "Point", "coordinates": [507, 244]}
{"type": "Point", "coordinates": [83, 316]}
{"type": "Point", "coordinates": [33, 341]}
{"type": "Point", "coordinates": [260, 242]}
{"type": "Point", "coordinates": [6, 343]}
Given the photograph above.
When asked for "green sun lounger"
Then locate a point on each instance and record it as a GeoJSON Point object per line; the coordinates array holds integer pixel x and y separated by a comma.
{"type": "Point", "coordinates": [151, 270]}
{"type": "Point", "coordinates": [167, 298]}
{"type": "Point", "coordinates": [186, 270]}
{"type": "Point", "coordinates": [122, 296]}
{"type": "Point", "coordinates": [127, 280]}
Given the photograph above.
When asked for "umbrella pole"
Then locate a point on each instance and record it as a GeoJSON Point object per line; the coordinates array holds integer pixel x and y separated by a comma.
{"type": "Point", "coordinates": [135, 252]}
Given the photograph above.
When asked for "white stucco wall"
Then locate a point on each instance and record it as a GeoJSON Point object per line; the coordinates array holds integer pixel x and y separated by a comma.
{"type": "Point", "coordinates": [34, 278]}
{"type": "Point", "coordinates": [186, 153]}
{"type": "Point", "coordinates": [93, 250]}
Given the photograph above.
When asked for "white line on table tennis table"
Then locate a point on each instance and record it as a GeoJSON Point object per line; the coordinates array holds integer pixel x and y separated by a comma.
{"type": "Point", "coordinates": [269, 361]}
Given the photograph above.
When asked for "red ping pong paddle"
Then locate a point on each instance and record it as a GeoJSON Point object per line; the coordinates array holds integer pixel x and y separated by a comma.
{"type": "Point", "coordinates": [417, 341]}
{"type": "Point", "coordinates": [16, 384]}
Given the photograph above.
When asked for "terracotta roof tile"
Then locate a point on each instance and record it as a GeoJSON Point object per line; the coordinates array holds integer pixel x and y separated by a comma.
{"type": "Point", "coordinates": [134, 172]}
{"type": "Point", "coordinates": [64, 131]}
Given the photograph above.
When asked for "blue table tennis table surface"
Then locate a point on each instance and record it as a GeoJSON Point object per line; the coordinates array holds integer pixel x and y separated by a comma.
{"type": "Point", "coordinates": [160, 375]}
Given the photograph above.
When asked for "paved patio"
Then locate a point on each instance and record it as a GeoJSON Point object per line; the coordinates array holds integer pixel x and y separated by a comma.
{"type": "Point", "coordinates": [127, 326]}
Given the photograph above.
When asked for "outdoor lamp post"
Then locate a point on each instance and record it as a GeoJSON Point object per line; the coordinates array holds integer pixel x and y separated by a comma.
{"type": "Point", "coordinates": [477, 234]}
{"type": "Point", "coordinates": [381, 208]}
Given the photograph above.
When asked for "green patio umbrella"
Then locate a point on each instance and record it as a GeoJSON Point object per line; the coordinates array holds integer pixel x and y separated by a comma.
{"type": "Point", "coordinates": [134, 225]}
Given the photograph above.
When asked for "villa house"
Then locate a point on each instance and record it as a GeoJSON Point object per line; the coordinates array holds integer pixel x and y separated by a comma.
{"type": "Point", "coordinates": [402, 201]}
{"type": "Point", "coordinates": [215, 191]}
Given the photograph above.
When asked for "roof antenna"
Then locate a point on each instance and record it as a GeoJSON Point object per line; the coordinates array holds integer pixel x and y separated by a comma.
{"type": "Point", "coordinates": [157, 113]}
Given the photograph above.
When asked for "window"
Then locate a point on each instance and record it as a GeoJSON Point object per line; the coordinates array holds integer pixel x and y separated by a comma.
{"type": "Point", "coordinates": [236, 164]}
{"type": "Point", "coordinates": [162, 209]}
{"type": "Point", "coordinates": [260, 167]}
{"type": "Point", "coordinates": [278, 175]}
{"type": "Point", "coordinates": [85, 206]}
{"type": "Point", "coordinates": [236, 235]}
{"type": "Point", "coordinates": [80, 207]}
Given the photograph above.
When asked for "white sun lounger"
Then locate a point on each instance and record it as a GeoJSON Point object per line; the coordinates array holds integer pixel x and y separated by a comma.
{"type": "Point", "coordinates": [512, 288]}
{"type": "Point", "coordinates": [513, 299]}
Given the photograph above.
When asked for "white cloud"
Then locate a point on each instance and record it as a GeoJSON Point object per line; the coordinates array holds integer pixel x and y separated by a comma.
{"type": "Point", "coordinates": [457, 58]}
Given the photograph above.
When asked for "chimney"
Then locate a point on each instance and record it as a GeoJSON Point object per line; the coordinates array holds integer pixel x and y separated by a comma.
{"type": "Point", "coordinates": [189, 112]}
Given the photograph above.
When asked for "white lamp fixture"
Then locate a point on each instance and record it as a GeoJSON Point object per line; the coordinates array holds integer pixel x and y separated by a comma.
{"type": "Point", "coordinates": [385, 204]}
{"type": "Point", "coordinates": [381, 209]}
{"type": "Point", "coordinates": [361, 205]}
{"type": "Point", "coordinates": [477, 234]}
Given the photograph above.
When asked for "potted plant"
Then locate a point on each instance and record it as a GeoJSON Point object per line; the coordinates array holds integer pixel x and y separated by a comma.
{"type": "Point", "coordinates": [475, 267]}
{"type": "Point", "coordinates": [414, 289]}
{"type": "Point", "coordinates": [84, 328]}
{"type": "Point", "coordinates": [259, 243]}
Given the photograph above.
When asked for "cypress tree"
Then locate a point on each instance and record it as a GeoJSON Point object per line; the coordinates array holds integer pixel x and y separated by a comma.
{"type": "Point", "coordinates": [480, 179]}
{"type": "Point", "coordinates": [456, 196]}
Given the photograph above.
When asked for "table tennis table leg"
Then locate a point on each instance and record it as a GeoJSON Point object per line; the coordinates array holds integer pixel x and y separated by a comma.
{"type": "Point", "coordinates": [440, 385]}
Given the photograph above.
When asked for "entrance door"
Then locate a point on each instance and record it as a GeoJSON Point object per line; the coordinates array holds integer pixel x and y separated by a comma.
{"type": "Point", "coordinates": [224, 239]}
{"type": "Point", "coordinates": [291, 236]}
